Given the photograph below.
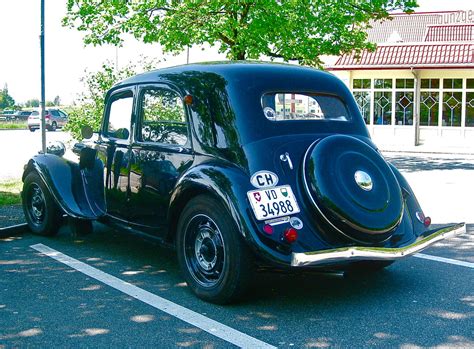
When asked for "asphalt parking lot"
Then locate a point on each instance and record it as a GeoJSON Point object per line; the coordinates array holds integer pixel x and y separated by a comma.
{"type": "Point", "coordinates": [414, 303]}
{"type": "Point", "coordinates": [111, 289]}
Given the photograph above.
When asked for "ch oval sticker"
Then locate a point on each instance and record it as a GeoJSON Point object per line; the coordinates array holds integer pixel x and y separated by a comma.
{"type": "Point", "coordinates": [264, 179]}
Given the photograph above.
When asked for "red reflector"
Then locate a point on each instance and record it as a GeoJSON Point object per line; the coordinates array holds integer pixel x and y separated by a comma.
{"type": "Point", "coordinates": [427, 221]}
{"type": "Point", "coordinates": [290, 235]}
{"type": "Point", "coordinates": [267, 228]}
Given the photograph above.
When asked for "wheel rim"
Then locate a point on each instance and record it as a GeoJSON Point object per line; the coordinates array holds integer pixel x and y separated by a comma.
{"type": "Point", "coordinates": [36, 204]}
{"type": "Point", "coordinates": [53, 126]}
{"type": "Point", "coordinates": [204, 250]}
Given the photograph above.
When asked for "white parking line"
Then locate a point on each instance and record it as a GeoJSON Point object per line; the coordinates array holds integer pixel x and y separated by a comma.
{"type": "Point", "coordinates": [211, 326]}
{"type": "Point", "coordinates": [445, 260]}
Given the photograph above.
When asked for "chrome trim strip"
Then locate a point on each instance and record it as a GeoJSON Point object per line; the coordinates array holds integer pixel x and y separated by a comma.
{"type": "Point", "coordinates": [355, 253]}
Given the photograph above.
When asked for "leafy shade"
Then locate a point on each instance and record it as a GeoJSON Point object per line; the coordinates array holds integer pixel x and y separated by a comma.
{"type": "Point", "coordinates": [301, 30]}
{"type": "Point", "coordinates": [90, 104]}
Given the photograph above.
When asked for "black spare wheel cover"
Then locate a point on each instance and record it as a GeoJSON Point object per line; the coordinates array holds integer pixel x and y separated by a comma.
{"type": "Point", "coordinates": [353, 188]}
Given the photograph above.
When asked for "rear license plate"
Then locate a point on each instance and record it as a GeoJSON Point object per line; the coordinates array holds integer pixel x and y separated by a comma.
{"type": "Point", "coordinates": [273, 202]}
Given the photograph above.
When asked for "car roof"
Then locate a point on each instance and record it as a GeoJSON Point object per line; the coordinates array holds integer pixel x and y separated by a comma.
{"type": "Point", "coordinates": [229, 70]}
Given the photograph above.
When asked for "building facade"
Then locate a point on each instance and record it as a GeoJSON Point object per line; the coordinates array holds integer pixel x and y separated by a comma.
{"type": "Point", "coordinates": [417, 87]}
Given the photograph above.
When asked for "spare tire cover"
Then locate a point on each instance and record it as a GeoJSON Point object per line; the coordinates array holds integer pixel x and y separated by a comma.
{"type": "Point", "coordinates": [353, 188]}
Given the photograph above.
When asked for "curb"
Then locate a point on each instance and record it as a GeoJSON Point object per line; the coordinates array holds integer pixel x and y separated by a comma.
{"type": "Point", "coordinates": [14, 230]}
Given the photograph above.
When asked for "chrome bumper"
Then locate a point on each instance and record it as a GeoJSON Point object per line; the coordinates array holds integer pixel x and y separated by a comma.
{"type": "Point", "coordinates": [356, 253]}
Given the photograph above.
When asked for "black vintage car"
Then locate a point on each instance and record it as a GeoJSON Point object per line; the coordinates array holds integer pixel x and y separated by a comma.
{"type": "Point", "coordinates": [236, 165]}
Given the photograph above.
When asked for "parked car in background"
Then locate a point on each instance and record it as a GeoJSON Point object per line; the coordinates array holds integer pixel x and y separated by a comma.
{"type": "Point", "coordinates": [238, 166]}
{"type": "Point", "coordinates": [7, 115]}
{"type": "Point", "coordinates": [54, 118]}
{"type": "Point", "coordinates": [22, 115]}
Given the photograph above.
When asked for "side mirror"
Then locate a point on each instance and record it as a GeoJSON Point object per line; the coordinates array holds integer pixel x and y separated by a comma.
{"type": "Point", "coordinates": [86, 132]}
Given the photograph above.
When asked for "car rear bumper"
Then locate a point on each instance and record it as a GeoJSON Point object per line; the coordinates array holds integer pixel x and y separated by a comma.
{"type": "Point", "coordinates": [357, 253]}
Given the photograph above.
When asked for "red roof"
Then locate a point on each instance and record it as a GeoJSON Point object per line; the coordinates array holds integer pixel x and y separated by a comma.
{"type": "Point", "coordinates": [421, 40]}
{"type": "Point", "coordinates": [462, 32]}
{"type": "Point", "coordinates": [414, 55]}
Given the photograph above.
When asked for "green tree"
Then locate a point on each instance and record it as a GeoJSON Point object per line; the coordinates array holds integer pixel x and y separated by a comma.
{"type": "Point", "coordinates": [89, 106]}
{"type": "Point", "coordinates": [6, 101]}
{"type": "Point", "coordinates": [301, 30]}
{"type": "Point", "coordinates": [32, 103]}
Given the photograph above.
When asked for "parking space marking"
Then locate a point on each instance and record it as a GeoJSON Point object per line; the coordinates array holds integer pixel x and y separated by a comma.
{"type": "Point", "coordinates": [211, 326]}
{"type": "Point", "coordinates": [445, 260]}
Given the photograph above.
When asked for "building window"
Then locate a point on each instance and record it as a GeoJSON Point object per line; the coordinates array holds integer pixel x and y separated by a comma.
{"type": "Point", "coordinates": [470, 108]}
{"type": "Point", "coordinates": [404, 108]}
{"type": "Point", "coordinates": [452, 105]}
{"type": "Point", "coordinates": [429, 108]}
{"type": "Point", "coordinates": [383, 107]}
{"type": "Point", "coordinates": [405, 83]}
{"type": "Point", "coordinates": [361, 84]}
{"type": "Point", "coordinates": [383, 83]}
{"type": "Point", "coordinates": [362, 94]}
{"type": "Point", "coordinates": [363, 101]}
{"type": "Point", "coordinates": [429, 102]}
{"type": "Point", "coordinates": [452, 83]}
{"type": "Point", "coordinates": [430, 83]}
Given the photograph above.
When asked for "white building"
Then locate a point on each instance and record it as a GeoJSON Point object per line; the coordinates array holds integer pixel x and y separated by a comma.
{"type": "Point", "coordinates": [418, 85]}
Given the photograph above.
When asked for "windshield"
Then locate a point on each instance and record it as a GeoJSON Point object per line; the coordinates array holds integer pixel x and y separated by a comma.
{"type": "Point", "coordinates": [284, 106]}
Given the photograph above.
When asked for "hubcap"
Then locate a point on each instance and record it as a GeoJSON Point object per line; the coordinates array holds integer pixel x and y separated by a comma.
{"type": "Point", "coordinates": [363, 180]}
{"type": "Point", "coordinates": [37, 206]}
{"type": "Point", "coordinates": [204, 250]}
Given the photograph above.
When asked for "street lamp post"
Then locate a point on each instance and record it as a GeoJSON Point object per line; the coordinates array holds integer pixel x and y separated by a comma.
{"type": "Point", "coordinates": [43, 122]}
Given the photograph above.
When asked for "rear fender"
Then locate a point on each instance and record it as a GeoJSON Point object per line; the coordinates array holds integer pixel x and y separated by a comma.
{"type": "Point", "coordinates": [78, 191]}
{"type": "Point", "coordinates": [229, 185]}
{"type": "Point", "coordinates": [218, 182]}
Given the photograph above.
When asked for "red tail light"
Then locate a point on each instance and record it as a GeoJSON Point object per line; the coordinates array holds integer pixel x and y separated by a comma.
{"type": "Point", "coordinates": [268, 229]}
{"type": "Point", "coordinates": [47, 117]}
{"type": "Point", "coordinates": [290, 235]}
{"type": "Point", "coordinates": [427, 222]}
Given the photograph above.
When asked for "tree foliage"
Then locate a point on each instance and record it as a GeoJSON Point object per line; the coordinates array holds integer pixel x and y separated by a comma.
{"type": "Point", "coordinates": [6, 101]}
{"type": "Point", "coordinates": [90, 104]}
{"type": "Point", "coordinates": [301, 30]}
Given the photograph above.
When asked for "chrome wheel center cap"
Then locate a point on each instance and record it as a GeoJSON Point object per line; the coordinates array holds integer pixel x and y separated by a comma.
{"type": "Point", "coordinates": [363, 180]}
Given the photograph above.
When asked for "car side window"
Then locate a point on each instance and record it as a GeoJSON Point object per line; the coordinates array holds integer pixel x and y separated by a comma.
{"type": "Point", "coordinates": [120, 115]}
{"type": "Point", "coordinates": [55, 113]}
{"type": "Point", "coordinates": [163, 117]}
{"type": "Point", "coordinates": [62, 114]}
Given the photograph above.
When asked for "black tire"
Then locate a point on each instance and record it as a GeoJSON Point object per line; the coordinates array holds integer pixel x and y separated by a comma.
{"type": "Point", "coordinates": [32, 129]}
{"type": "Point", "coordinates": [54, 126]}
{"type": "Point", "coordinates": [42, 214]}
{"type": "Point", "coordinates": [213, 257]}
{"type": "Point", "coordinates": [80, 227]}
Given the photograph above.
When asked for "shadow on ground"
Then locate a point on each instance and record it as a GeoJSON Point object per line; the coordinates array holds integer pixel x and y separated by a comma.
{"type": "Point", "coordinates": [413, 163]}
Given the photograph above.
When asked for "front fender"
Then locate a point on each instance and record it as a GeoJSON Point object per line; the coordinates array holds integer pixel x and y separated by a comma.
{"type": "Point", "coordinates": [79, 192]}
{"type": "Point", "coordinates": [229, 185]}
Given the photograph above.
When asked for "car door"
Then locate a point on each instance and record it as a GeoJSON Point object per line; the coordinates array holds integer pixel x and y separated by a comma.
{"type": "Point", "coordinates": [113, 149]}
{"type": "Point", "coordinates": [161, 152]}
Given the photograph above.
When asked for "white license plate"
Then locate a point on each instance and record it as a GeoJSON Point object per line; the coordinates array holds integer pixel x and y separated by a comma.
{"type": "Point", "coordinates": [273, 202]}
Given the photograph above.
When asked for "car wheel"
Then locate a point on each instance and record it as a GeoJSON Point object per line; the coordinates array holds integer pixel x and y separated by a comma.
{"type": "Point", "coordinates": [80, 227]}
{"type": "Point", "coordinates": [32, 129]}
{"type": "Point", "coordinates": [41, 212]}
{"type": "Point", "coordinates": [53, 126]}
{"type": "Point", "coordinates": [214, 259]}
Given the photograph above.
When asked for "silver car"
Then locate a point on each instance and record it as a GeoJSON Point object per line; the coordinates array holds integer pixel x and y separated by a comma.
{"type": "Point", "coordinates": [54, 118]}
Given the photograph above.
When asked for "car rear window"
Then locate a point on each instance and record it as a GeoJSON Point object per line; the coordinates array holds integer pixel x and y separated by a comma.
{"type": "Point", "coordinates": [286, 106]}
